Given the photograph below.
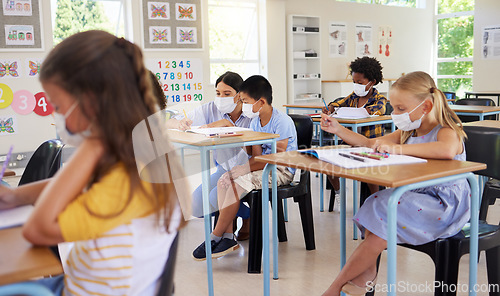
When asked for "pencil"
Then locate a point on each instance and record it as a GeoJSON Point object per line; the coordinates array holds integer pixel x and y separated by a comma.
{"type": "Point", "coordinates": [326, 106]}
{"type": "Point", "coordinates": [7, 158]}
{"type": "Point", "coordinates": [185, 115]}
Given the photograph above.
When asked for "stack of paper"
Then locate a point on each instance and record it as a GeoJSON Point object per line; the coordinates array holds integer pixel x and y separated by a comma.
{"type": "Point", "coordinates": [351, 113]}
{"type": "Point", "coordinates": [217, 130]}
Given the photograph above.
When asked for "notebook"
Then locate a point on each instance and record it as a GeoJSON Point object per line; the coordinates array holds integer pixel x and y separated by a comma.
{"type": "Point", "coordinates": [15, 217]}
{"type": "Point", "coordinates": [359, 157]}
{"type": "Point", "coordinates": [352, 113]}
{"type": "Point", "coordinates": [217, 130]}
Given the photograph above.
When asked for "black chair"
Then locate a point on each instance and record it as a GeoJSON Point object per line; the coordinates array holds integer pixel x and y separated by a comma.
{"type": "Point", "coordinates": [44, 163]}
{"type": "Point", "coordinates": [475, 102]}
{"type": "Point", "coordinates": [301, 193]}
{"type": "Point", "coordinates": [482, 145]}
{"type": "Point", "coordinates": [450, 96]}
{"type": "Point", "coordinates": [167, 277]}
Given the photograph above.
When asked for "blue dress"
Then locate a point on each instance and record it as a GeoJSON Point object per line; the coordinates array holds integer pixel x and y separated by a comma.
{"type": "Point", "coordinates": [424, 214]}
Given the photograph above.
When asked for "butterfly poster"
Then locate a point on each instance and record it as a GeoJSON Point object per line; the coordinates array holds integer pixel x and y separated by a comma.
{"type": "Point", "coordinates": [186, 35]}
{"type": "Point", "coordinates": [32, 68]}
{"type": "Point", "coordinates": [9, 69]}
{"type": "Point", "coordinates": [185, 12]}
{"type": "Point", "coordinates": [19, 35]}
{"type": "Point", "coordinates": [158, 10]}
{"type": "Point", "coordinates": [159, 35]}
{"type": "Point", "coordinates": [8, 125]}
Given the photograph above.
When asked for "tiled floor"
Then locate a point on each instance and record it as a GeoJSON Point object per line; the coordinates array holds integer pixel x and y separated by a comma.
{"type": "Point", "coordinates": [303, 272]}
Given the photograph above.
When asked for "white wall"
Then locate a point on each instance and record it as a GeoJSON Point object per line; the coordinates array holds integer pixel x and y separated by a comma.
{"type": "Point", "coordinates": [486, 72]}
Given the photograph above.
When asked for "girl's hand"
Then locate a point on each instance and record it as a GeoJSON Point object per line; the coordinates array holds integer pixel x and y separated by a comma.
{"type": "Point", "coordinates": [7, 198]}
{"type": "Point", "coordinates": [329, 124]}
{"type": "Point", "coordinates": [185, 124]}
{"type": "Point", "coordinates": [384, 146]}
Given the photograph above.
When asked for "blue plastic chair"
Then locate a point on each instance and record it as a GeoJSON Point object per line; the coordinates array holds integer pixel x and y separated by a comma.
{"type": "Point", "coordinates": [30, 289]}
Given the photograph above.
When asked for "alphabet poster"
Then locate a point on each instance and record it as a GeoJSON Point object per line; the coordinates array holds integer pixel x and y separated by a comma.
{"type": "Point", "coordinates": [364, 40]}
{"type": "Point", "coordinates": [337, 39]}
{"type": "Point", "coordinates": [490, 47]}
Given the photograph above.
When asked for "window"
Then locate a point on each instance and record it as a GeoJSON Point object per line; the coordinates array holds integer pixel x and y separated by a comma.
{"type": "Point", "coordinates": [455, 40]}
{"type": "Point", "coordinates": [405, 3]}
{"type": "Point", "coordinates": [73, 16]}
{"type": "Point", "coordinates": [234, 37]}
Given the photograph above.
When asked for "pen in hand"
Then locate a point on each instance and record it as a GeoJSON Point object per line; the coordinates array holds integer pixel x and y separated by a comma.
{"type": "Point", "coordinates": [7, 158]}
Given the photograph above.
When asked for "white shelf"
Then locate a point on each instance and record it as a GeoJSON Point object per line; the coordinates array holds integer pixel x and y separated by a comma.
{"type": "Point", "coordinates": [301, 41]}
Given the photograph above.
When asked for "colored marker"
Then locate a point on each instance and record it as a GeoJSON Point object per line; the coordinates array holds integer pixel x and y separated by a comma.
{"type": "Point", "coordinates": [352, 157]}
{"type": "Point", "coordinates": [7, 158]}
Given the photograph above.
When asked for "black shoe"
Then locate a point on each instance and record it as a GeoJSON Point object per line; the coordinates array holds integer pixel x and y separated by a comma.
{"type": "Point", "coordinates": [225, 246]}
{"type": "Point", "coordinates": [199, 254]}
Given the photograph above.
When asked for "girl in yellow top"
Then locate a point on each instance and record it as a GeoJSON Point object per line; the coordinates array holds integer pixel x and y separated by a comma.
{"type": "Point", "coordinates": [122, 226]}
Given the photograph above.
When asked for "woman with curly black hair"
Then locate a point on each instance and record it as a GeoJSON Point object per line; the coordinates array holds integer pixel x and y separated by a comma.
{"type": "Point", "coordinates": [366, 72]}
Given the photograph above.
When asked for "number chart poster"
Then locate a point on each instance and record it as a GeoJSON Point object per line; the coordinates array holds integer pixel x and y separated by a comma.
{"type": "Point", "coordinates": [172, 24]}
{"type": "Point", "coordinates": [182, 79]}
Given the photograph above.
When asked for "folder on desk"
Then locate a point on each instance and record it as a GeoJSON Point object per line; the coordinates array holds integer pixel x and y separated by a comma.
{"type": "Point", "coordinates": [15, 217]}
{"type": "Point", "coordinates": [349, 157]}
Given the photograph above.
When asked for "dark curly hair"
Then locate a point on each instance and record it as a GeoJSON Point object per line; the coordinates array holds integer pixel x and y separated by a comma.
{"type": "Point", "coordinates": [369, 67]}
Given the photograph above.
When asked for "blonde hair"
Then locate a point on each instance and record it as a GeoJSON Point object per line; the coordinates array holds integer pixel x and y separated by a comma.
{"type": "Point", "coordinates": [422, 86]}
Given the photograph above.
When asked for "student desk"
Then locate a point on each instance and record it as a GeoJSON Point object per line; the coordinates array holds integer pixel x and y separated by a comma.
{"type": "Point", "coordinates": [477, 94]}
{"type": "Point", "coordinates": [480, 111]}
{"type": "Point", "coordinates": [21, 261]}
{"type": "Point", "coordinates": [353, 124]}
{"type": "Point", "coordinates": [485, 123]}
{"type": "Point", "coordinates": [401, 177]}
{"type": "Point", "coordinates": [204, 145]}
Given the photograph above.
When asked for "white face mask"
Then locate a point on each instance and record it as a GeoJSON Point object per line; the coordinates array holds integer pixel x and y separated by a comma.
{"type": "Point", "coordinates": [359, 89]}
{"type": "Point", "coordinates": [73, 139]}
{"type": "Point", "coordinates": [225, 104]}
{"type": "Point", "coordinates": [248, 110]}
{"type": "Point", "coordinates": [403, 121]}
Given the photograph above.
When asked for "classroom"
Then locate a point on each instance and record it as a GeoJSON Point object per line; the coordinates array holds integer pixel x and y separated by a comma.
{"type": "Point", "coordinates": [306, 51]}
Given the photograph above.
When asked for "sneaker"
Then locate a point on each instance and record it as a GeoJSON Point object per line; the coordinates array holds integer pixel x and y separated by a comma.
{"type": "Point", "coordinates": [336, 204]}
{"type": "Point", "coordinates": [199, 254]}
{"type": "Point", "coordinates": [225, 246]}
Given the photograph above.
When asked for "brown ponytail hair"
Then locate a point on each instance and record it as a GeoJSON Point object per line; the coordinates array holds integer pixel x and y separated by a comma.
{"type": "Point", "coordinates": [108, 77]}
{"type": "Point", "coordinates": [422, 86]}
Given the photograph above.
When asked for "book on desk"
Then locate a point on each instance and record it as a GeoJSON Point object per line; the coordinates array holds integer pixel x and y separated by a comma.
{"type": "Point", "coordinates": [15, 216]}
{"type": "Point", "coordinates": [359, 157]}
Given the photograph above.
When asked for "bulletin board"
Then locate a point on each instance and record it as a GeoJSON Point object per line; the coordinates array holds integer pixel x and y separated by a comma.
{"type": "Point", "coordinates": [172, 24]}
{"type": "Point", "coordinates": [20, 25]}
{"type": "Point", "coordinates": [181, 78]}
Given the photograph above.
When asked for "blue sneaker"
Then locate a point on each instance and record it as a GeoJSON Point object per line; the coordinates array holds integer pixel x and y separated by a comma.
{"type": "Point", "coordinates": [199, 254]}
{"type": "Point", "coordinates": [225, 246]}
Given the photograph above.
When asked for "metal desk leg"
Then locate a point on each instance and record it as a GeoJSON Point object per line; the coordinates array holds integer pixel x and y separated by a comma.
{"type": "Point", "coordinates": [342, 223]}
{"type": "Point", "coordinates": [354, 207]}
{"type": "Point", "coordinates": [321, 188]}
{"type": "Point", "coordinates": [205, 183]}
{"type": "Point", "coordinates": [391, 228]}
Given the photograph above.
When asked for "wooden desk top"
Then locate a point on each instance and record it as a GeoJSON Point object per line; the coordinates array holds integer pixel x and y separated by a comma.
{"type": "Point", "coordinates": [389, 176]}
{"type": "Point", "coordinates": [201, 140]}
{"type": "Point", "coordinates": [485, 123]}
{"type": "Point", "coordinates": [310, 106]}
{"type": "Point", "coordinates": [357, 121]}
{"type": "Point", "coordinates": [21, 261]}
{"type": "Point", "coordinates": [474, 109]}
{"type": "Point", "coordinates": [9, 173]}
